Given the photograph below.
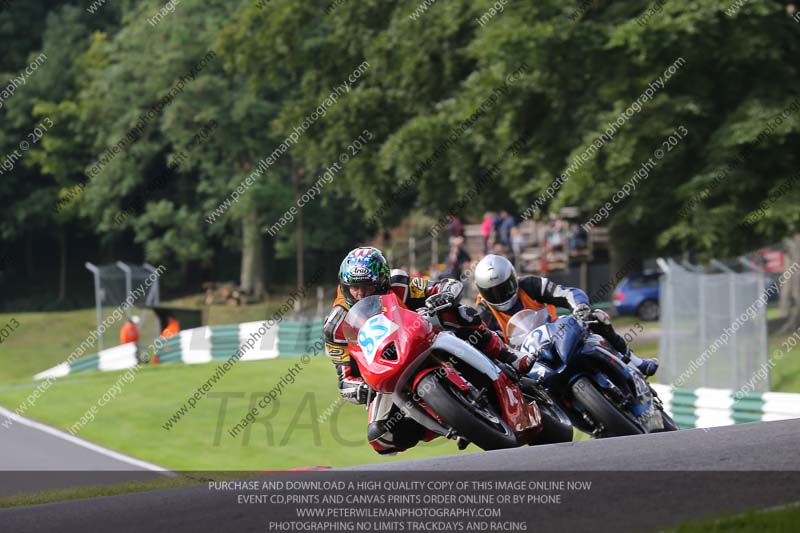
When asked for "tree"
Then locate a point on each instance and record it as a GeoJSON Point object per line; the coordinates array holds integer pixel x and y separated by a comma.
{"type": "Point", "coordinates": [56, 138]}
{"type": "Point", "coordinates": [180, 55]}
{"type": "Point", "coordinates": [445, 100]}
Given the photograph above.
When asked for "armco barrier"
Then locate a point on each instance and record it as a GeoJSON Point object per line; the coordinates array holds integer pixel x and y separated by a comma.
{"type": "Point", "coordinates": [206, 344]}
{"type": "Point", "coordinates": [702, 408]}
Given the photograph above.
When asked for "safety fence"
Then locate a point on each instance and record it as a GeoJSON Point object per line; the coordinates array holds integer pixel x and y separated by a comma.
{"type": "Point", "coordinates": [703, 407]}
{"type": "Point", "coordinates": [713, 326]}
{"type": "Point", "coordinates": [207, 344]}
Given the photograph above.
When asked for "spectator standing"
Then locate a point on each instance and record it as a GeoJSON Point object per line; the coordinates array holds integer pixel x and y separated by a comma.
{"type": "Point", "coordinates": [456, 229]}
{"type": "Point", "coordinates": [456, 259]}
{"type": "Point", "coordinates": [578, 239]}
{"type": "Point", "coordinates": [506, 223]}
{"type": "Point", "coordinates": [172, 329]}
{"type": "Point", "coordinates": [555, 237]}
{"type": "Point", "coordinates": [130, 333]}
{"type": "Point", "coordinates": [495, 238]}
{"type": "Point", "coordinates": [486, 230]}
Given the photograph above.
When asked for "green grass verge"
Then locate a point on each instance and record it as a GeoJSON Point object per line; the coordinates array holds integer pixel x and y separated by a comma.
{"type": "Point", "coordinates": [292, 432]}
{"type": "Point", "coordinates": [775, 521]}
{"type": "Point", "coordinates": [629, 320]}
{"type": "Point", "coordinates": [785, 375]}
{"type": "Point", "coordinates": [161, 483]}
{"type": "Point", "coordinates": [41, 341]}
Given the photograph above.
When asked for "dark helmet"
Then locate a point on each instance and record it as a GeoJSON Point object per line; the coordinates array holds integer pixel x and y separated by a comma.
{"type": "Point", "coordinates": [364, 266]}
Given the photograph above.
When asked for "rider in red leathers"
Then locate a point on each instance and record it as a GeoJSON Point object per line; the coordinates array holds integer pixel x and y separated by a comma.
{"type": "Point", "coordinates": [365, 272]}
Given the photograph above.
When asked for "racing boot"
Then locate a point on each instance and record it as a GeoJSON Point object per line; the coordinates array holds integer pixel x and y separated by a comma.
{"type": "Point", "coordinates": [397, 434]}
{"type": "Point", "coordinates": [389, 431]}
{"type": "Point", "coordinates": [647, 366]}
{"type": "Point", "coordinates": [520, 362]}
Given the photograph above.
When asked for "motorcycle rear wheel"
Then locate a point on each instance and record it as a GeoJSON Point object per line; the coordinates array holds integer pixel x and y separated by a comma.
{"type": "Point", "coordinates": [557, 426]}
{"type": "Point", "coordinates": [481, 425]}
{"type": "Point", "coordinates": [614, 422]}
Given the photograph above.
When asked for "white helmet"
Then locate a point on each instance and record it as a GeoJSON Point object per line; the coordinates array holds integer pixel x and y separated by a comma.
{"type": "Point", "coordinates": [497, 282]}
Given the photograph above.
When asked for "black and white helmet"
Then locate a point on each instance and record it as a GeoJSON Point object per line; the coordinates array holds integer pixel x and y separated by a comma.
{"type": "Point", "coordinates": [497, 282]}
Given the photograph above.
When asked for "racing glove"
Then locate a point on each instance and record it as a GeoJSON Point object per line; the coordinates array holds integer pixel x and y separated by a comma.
{"type": "Point", "coordinates": [448, 294]}
{"type": "Point", "coordinates": [452, 286]}
{"type": "Point", "coordinates": [582, 312]}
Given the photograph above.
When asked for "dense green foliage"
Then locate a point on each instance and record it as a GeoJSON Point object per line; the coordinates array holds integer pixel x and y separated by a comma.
{"type": "Point", "coordinates": [443, 93]}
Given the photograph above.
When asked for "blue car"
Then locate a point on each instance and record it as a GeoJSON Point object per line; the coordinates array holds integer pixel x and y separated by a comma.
{"type": "Point", "coordinates": [638, 295]}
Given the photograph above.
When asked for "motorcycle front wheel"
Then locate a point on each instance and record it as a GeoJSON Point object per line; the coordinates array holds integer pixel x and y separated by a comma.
{"type": "Point", "coordinates": [556, 424]}
{"type": "Point", "coordinates": [477, 421]}
{"type": "Point", "coordinates": [669, 423]}
{"type": "Point", "coordinates": [602, 411]}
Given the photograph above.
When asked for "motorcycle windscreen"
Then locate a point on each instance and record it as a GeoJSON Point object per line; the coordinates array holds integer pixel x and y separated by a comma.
{"type": "Point", "coordinates": [565, 333]}
{"type": "Point", "coordinates": [358, 316]}
{"type": "Point", "coordinates": [373, 321]}
{"type": "Point", "coordinates": [523, 323]}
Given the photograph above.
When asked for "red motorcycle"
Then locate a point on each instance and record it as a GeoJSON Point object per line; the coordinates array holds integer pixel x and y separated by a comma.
{"type": "Point", "coordinates": [443, 382]}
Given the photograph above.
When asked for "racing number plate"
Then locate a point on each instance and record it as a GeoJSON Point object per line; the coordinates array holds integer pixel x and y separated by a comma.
{"type": "Point", "coordinates": [372, 333]}
{"type": "Point", "coordinates": [535, 340]}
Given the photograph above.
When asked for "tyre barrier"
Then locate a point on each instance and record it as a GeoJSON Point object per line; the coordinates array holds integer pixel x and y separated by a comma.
{"type": "Point", "coordinates": [704, 408]}
{"type": "Point", "coordinates": [206, 344]}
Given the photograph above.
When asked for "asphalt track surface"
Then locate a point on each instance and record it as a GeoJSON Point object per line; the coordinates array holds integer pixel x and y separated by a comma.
{"type": "Point", "coordinates": [641, 483]}
{"type": "Point", "coordinates": [29, 446]}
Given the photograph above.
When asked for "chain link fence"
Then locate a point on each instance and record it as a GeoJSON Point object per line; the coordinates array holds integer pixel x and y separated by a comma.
{"type": "Point", "coordinates": [713, 326]}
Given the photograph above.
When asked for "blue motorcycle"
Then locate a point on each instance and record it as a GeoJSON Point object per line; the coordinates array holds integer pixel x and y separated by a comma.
{"type": "Point", "coordinates": [602, 395]}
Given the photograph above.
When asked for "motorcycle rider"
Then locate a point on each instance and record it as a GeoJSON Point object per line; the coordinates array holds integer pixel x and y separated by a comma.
{"type": "Point", "coordinates": [364, 272]}
{"type": "Point", "coordinates": [501, 295]}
